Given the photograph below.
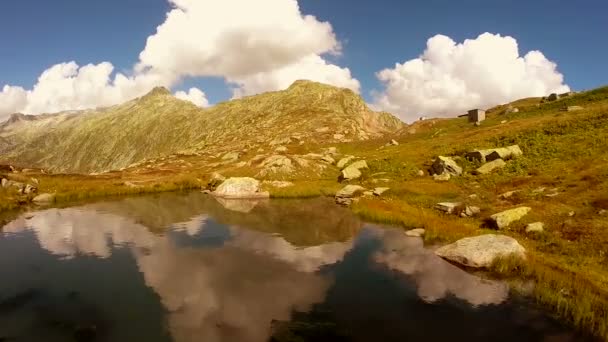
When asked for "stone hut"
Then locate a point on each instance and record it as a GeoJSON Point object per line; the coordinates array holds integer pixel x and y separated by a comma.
{"type": "Point", "coordinates": [477, 115]}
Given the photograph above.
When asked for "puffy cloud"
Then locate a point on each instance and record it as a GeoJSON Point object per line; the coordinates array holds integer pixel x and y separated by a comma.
{"type": "Point", "coordinates": [313, 68]}
{"type": "Point", "coordinates": [256, 45]}
{"type": "Point", "coordinates": [193, 95]}
{"type": "Point", "coordinates": [449, 78]}
{"type": "Point", "coordinates": [67, 86]}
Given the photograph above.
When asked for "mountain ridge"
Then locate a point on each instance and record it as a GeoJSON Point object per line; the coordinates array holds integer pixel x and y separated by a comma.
{"type": "Point", "coordinates": [159, 124]}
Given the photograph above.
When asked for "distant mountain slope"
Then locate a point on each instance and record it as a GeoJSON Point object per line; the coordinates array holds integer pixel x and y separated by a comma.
{"type": "Point", "coordinates": [158, 124]}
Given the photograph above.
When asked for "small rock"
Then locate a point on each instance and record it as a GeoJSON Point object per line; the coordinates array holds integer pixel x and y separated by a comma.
{"type": "Point", "coordinates": [231, 156]}
{"type": "Point", "coordinates": [418, 232]}
{"type": "Point", "coordinates": [508, 194]}
{"type": "Point", "coordinates": [505, 218]}
{"type": "Point", "coordinates": [351, 173]}
{"type": "Point", "coordinates": [350, 191]}
{"type": "Point", "coordinates": [536, 227]}
{"type": "Point", "coordinates": [393, 142]}
{"type": "Point", "coordinates": [481, 251]}
{"type": "Point", "coordinates": [473, 196]}
{"type": "Point", "coordinates": [368, 193]}
{"type": "Point", "coordinates": [602, 212]}
{"type": "Point", "coordinates": [344, 161]}
{"type": "Point", "coordinates": [338, 136]}
{"type": "Point", "coordinates": [420, 173]}
{"type": "Point", "coordinates": [503, 122]}
{"type": "Point", "coordinates": [279, 184]}
{"type": "Point", "coordinates": [491, 166]}
{"type": "Point", "coordinates": [571, 214]}
{"type": "Point", "coordinates": [328, 159]}
{"type": "Point", "coordinates": [131, 185]}
{"type": "Point", "coordinates": [281, 149]}
{"type": "Point", "coordinates": [470, 211]}
{"type": "Point", "coordinates": [442, 177]}
{"type": "Point", "coordinates": [380, 191]}
{"type": "Point", "coordinates": [447, 165]}
{"type": "Point", "coordinates": [447, 207]}
{"type": "Point", "coordinates": [345, 195]}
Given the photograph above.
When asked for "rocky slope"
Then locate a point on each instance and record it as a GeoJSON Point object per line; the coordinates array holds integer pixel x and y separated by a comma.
{"type": "Point", "coordinates": [159, 124]}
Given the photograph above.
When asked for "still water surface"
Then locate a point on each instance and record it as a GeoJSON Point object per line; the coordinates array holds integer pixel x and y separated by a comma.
{"type": "Point", "coordinates": [186, 267]}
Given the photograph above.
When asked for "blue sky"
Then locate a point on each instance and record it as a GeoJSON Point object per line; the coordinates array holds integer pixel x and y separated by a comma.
{"type": "Point", "coordinates": [36, 34]}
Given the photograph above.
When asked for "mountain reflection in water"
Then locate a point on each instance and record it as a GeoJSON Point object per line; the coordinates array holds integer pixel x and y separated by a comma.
{"type": "Point", "coordinates": [185, 267]}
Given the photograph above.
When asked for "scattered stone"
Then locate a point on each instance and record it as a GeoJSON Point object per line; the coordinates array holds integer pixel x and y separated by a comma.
{"type": "Point", "coordinates": [508, 194]}
{"type": "Point", "coordinates": [602, 212]}
{"type": "Point", "coordinates": [473, 196]}
{"type": "Point", "coordinates": [346, 195]}
{"type": "Point", "coordinates": [447, 207]}
{"type": "Point", "coordinates": [231, 156]}
{"type": "Point", "coordinates": [503, 122]}
{"type": "Point", "coordinates": [344, 161]}
{"type": "Point", "coordinates": [571, 214]}
{"type": "Point", "coordinates": [281, 149]}
{"type": "Point", "coordinates": [44, 199]}
{"type": "Point", "coordinates": [360, 164]}
{"type": "Point", "coordinates": [338, 136]}
{"type": "Point", "coordinates": [504, 153]}
{"type": "Point", "coordinates": [328, 159]}
{"type": "Point", "coordinates": [351, 173]}
{"type": "Point", "coordinates": [574, 108]}
{"type": "Point", "coordinates": [505, 218]}
{"type": "Point", "coordinates": [470, 211]}
{"type": "Point", "coordinates": [478, 124]}
{"type": "Point", "coordinates": [447, 165]}
{"type": "Point", "coordinates": [276, 164]}
{"type": "Point", "coordinates": [332, 150]}
{"type": "Point", "coordinates": [442, 177]}
{"type": "Point", "coordinates": [420, 173]}
{"type": "Point", "coordinates": [512, 110]}
{"type": "Point", "coordinates": [240, 187]}
{"type": "Point", "coordinates": [481, 251]}
{"type": "Point", "coordinates": [368, 193]}
{"type": "Point", "coordinates": [240, 164]}
{"type": "Point", "coordinates": [418, 232]}
{"type": "Point", "coordinates": [379, 191]}
{"type": "Point", "coordinates": [536, 227]}
{"type": "Point", "coordinates": [322, 130]}
{"type": "Point", "coordinates": [491, 166]}
{"type": "Point", "coordinates": [206, 192]}
{"type": "Point", "coordinates": [4, 183]}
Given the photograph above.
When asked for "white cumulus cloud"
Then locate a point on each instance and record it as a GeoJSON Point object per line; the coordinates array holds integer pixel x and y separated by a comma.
{"type": "Point", "coordinates": [255, 46]}
{"type": "Point", "coordinates": [450, 78]}
{"type": "Point", "coordinates": [193, 95]}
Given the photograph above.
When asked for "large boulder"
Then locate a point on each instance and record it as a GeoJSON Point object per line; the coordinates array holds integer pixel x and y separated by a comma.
{"type": "Point", "coordinates": [481, 251]}
{"type": "Point", "coordinates": [505, 218]}
{"type": "Point", "coordinates": [491, 166]}
{"type": "Point", "coordinates": [443, 165]}
{"type": "Point", "coordinates": [240, 187]}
